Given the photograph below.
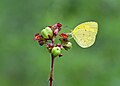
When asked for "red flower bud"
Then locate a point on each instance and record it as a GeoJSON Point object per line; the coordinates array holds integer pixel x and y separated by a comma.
{"type": "Point", "coordinates": [58, 45]}
{"type": "Point", "coordinates": [56, 26]}
{"type": "Point", "coordinates": [63, 35]}
{"type": "Point", "coordinates": [59, 25]}
{"type": "Point", "coordinates": [56, 32]}
{"type": "Point", "coordinates": [37, 36]}
{"type": "Point", "coordinates": [50, 45]}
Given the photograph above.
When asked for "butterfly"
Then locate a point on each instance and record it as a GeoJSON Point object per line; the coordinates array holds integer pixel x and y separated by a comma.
{"type": "Point", "coordinates": [85, 34]}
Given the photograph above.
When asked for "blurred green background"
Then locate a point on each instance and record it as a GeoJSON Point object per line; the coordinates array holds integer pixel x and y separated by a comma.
{"type": "Point", "coordinates": [24, 63]}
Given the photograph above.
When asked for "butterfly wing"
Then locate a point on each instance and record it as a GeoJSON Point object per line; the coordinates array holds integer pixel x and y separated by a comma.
{"type": "Point", "coordinates": [85, 34]}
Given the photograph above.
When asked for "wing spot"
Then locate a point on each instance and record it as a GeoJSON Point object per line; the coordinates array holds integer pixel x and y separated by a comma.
{"type": "Point", "coordinates": [84, 42]}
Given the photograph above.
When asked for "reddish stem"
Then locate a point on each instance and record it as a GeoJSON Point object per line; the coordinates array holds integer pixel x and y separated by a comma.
{"type": "Point", "coordinates": [52, 69]}
{"type": "Point", "coordinates": [53, 40]}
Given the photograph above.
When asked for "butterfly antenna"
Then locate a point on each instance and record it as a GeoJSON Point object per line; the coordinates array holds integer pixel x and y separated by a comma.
{"type": "Point", "coordinates": [67, 27]}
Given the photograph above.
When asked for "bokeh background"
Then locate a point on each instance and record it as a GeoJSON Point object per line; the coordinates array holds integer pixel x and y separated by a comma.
{"type": "Point", "coordinates": [24, 63]}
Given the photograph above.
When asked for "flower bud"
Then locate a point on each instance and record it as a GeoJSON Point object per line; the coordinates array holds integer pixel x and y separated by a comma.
{"type": "Point", "coordinates": [47, 32]}
{"type": "Point", "coordinates": [41, 42]}
{"type": "Point", "coordinates": [59, 25]}
{"type": "Point", "coordinates": [37, 36]}
{"type": "Point", "coordinates": [68, 45]}
{"type": "Point", "coordinates": [56, 32]}
{"type": "Point", "coordinates": [58, 45]}
{"type": "Point", "coordinates": [56, 51]}
{"type": "Point", "coordinates": [60, 55]}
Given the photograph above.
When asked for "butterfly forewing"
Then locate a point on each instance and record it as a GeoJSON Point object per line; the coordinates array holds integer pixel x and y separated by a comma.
{"type": "Point", "coordinates": [85, 34]}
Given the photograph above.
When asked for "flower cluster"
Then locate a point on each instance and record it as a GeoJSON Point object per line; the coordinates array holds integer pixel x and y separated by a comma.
{"type": "Point", "coordinates": [47, 37]}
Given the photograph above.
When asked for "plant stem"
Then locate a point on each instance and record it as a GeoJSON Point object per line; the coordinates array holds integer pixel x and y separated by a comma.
{"type": "Point", "coordinates": [52, 69]}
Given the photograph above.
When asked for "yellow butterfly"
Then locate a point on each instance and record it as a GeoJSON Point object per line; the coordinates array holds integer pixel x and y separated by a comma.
{"type": "Point", "coordinates": [85, 34]}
